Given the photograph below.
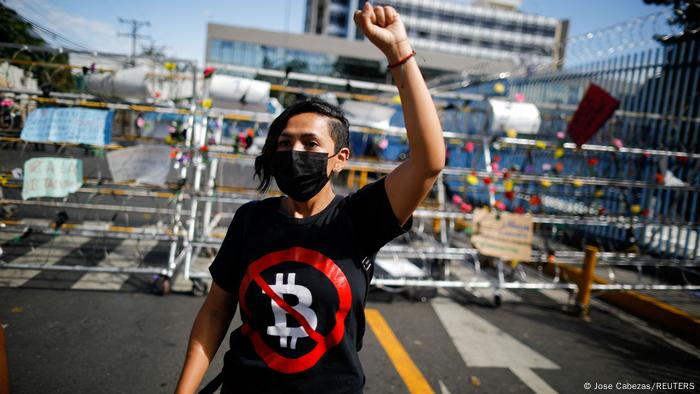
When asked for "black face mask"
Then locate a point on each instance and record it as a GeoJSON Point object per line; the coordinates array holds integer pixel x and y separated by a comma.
{"type": "Point", "coordinates": [299, 174]}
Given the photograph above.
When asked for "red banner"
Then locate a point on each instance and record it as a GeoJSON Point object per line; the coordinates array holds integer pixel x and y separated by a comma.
{"type": "Point", "coordinates": [596, 107]}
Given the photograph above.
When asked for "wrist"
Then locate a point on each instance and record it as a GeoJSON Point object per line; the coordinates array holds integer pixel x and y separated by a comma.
{"type": "Point", "coordinates": [398, 51]}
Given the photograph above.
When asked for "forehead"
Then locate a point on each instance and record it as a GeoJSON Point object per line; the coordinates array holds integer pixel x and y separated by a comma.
{"type": "Point", "coordinates": [307, 123]}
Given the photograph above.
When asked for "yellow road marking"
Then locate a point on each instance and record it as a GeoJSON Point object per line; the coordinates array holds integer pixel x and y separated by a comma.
{"type": "Point", "coordinates": [411, 375]}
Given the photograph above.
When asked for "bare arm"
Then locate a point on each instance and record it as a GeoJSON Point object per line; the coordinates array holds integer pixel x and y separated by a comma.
{"type": "Point", "coordinates": [409, 183]}
{"type": "Point", "coordinates": [4, 374]}
{"type": "Point", "coordinates": [208, 331]}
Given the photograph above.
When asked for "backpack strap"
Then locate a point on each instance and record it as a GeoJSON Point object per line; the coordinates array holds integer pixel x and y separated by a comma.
{"type": "Point", "coordinates": [211, 387]}
{"type": "Point", "coordinates": [368, 271]}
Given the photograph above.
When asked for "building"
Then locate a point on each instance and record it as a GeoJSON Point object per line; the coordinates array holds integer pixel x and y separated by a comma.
{"type": "Point", "coordinates": [485, 29]}
{"type": "Point", "coordinates": [260, 53]}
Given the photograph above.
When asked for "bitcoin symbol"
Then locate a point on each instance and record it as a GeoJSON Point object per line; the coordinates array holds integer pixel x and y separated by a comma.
{"type": "Point", "coordinates": [303, 295]}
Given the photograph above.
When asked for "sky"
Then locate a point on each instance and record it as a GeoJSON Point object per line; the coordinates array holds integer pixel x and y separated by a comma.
{"type": "Point", "coordinates": [180, 26]}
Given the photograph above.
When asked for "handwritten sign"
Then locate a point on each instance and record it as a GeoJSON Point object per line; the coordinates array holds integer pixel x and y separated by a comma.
{"type": "Point", "coordinates": [148, 164]}
{"type": "Point", "coordinates": [596, 107]}
{"type": "Point", "coordinates": [51, 177]}
{"type": "Point", "coordinates": [506, 236]}
{"type": "Point", "coordinates": [72, 125]}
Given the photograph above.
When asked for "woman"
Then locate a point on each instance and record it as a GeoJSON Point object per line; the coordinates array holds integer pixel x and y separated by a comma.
{"type": "Point", "coordinates": [297, 265]}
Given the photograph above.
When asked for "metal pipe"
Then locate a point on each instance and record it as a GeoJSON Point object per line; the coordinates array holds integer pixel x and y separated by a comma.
{"type": "Point", "coordinates": [80, 268]}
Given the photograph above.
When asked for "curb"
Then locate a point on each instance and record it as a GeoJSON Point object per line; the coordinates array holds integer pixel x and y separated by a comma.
{"type": "Point", "coordinates": [650, 309]}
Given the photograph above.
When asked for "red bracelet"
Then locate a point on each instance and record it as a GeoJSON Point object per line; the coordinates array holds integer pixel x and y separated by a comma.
{"type": "Point", "coordinates": [402, 61]}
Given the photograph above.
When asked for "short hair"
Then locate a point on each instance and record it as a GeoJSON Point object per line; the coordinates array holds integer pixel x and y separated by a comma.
{"type": "Point", "coordinates": [339, 128]}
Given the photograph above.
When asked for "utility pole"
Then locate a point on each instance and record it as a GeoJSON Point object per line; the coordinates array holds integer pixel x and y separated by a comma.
{"type": "Point", "coordinates": [135, 26]}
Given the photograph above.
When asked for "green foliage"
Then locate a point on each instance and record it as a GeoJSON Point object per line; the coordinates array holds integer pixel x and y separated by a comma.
{"type": "Point", "coordinates": [686, 15]}
{"type": "Point", "coordinates": [16, 30]}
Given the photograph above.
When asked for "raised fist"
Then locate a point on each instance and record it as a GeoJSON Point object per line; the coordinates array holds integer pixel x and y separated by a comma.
{"type": "Point", "coordinates": [382, 25]}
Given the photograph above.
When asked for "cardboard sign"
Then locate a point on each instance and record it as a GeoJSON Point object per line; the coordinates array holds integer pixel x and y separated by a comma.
{"type": "Point", "coordinates": [148, 164]}
{"type": "Point", "coordinates": [596, 107]}
{"type": "Point", "coordinates": [72, 125]}
{"type": "Point", "coordinates": [507, 236]}
{"type": "Point", "coordinates": [51, 177]}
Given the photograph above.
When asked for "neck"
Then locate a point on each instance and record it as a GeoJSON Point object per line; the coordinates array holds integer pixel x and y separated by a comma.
{"type": "Point", "coordinates": [316, 204]}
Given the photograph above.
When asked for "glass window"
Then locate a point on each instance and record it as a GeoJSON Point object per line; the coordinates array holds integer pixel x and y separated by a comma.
{"type": "Point", "coordinates": [359, 35]}
{"type": "Point", "coordinates": [215, 51]}
{"type": "Point", "coordinates": [485, 44]}
{"type": "Point", "coordinates": [444, 37]}
{"type": "Point", "coordinates": [339, 18]}
{"type": "Point", "coordinates": [446, 16]}
{"type": "Point", "coordinates": [506, 46]}
{"type": "Point", "coordinates": [227, 53]}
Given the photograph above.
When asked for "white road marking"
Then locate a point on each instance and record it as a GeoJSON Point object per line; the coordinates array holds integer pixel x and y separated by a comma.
{"type": "Point", "coordinates": [466, 274]}
{"type": "Point", "coordinates": [443, 388]}
{"type": "Point", "coordinates": [123, 256]}
{"type": "Point", "coordinates": [481, 344]}
{"type": "Point", "coordinates": [399, 268]}
{"type": "Point", "coordinates": [49, 253]}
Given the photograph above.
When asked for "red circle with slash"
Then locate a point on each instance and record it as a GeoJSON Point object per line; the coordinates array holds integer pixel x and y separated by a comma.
{"type": "Point", "coordinates": [328, 268]}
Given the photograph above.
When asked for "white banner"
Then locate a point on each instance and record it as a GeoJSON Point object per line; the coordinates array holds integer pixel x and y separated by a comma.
{"type": "Point", "coordinates": [142, 163]}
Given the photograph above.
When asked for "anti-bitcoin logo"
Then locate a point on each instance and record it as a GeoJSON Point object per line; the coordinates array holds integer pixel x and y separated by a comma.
{"type": "Point", "coordinates": [304, 298]}
{"type": "Point", "coordinates": [300, 314]}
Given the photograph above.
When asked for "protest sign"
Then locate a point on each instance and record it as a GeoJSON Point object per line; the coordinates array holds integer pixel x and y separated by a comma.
{"type": "Point", "coordinates": [51, 177]}
{"type": "Point", "coordinates": [71, 125]}
{"type": "Point", "coordinates": [504, 235]}
{"type": "Point", "coordinates": [148, 164]}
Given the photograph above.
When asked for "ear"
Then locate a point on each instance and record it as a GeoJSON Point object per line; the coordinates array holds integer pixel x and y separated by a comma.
{"type": "Point", "coordinates": [341, 160]}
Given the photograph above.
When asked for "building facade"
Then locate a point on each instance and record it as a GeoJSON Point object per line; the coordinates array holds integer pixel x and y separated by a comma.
{"type": "Point", "coordinates": [486, 29]}
{"type": "Point", "coordinates": [319, 55]}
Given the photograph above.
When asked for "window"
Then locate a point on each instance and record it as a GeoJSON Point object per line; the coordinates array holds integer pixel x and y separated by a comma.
{"type": "Point", "coordinates": [446, 16]}
{"type": "Point", "coordinates": [505, 46]}
{"type": "Point", "coordinates": [486, 44]}
{"type": "Point", "coordinates": [215, 51]}
{"type": "Point", "coordinates": [467, 20]}
{"type": "Point", "coordinates": [227, 52]}
{"type": "Point", "coordinates": [339, 19]}
{"type": "Point", "coordinates": [444, 38]}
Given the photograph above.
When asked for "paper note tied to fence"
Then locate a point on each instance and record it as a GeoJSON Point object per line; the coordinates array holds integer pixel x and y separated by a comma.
{"type": "Point", "coordinates": [51, 177]}
{"type": "Point", "coordinates": [504, 235]}
{"type": "Point", "coordinates": [149, 164]}
{"type": "Point", "coordinates": [72, 125]}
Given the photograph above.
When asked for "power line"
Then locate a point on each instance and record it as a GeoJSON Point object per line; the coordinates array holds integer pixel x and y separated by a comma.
{"type": "Point", "coordinates": [135, 26]}
{"type": "Point", "coordinates": [57, 38]}
{"type": "Point", "coordinates": [51, 35]}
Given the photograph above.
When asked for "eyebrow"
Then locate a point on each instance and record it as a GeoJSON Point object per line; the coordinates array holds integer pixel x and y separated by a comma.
{"type": "Point", "coordinates": [304, 135]}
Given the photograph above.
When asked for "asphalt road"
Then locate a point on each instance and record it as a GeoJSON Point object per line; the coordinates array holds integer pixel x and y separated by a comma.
{"type": "Point", "coordinates": [70, 341]}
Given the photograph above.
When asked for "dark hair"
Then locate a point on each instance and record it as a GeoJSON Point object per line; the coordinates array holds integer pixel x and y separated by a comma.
{"type": "Point", "coordinates": [339, 126]}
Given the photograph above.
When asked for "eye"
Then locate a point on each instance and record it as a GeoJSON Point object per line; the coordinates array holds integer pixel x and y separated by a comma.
{"type": "Point", "coordinates": [312, 144]}
{"type": "Point", "coordinates": [282, 143]}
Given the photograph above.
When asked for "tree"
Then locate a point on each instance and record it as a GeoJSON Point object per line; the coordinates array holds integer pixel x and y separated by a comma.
{"type": "Point", "coordinates": [14, 29]}
{"type": "Point", "coordinates": [686, 14]}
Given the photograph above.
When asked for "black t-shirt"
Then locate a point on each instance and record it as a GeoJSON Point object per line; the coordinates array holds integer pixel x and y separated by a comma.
{"type": "Point", "coordinates": [301, 290]}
